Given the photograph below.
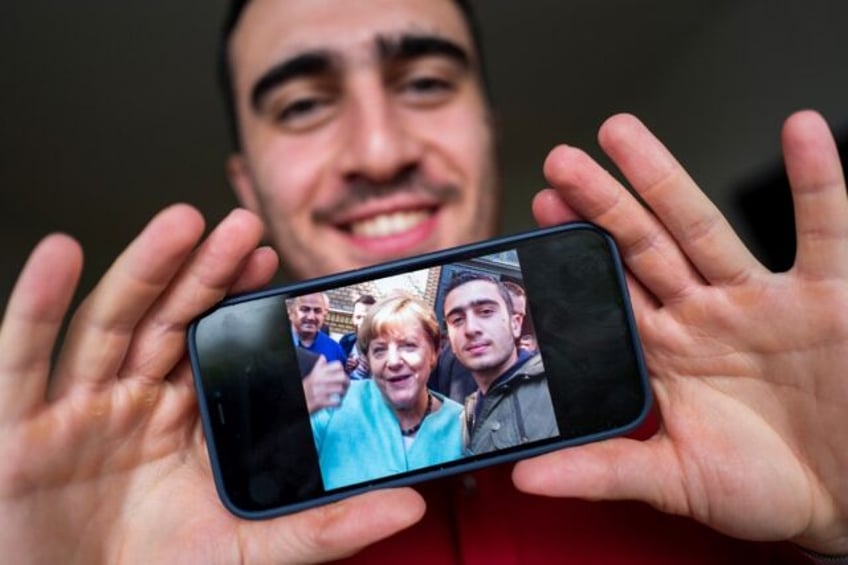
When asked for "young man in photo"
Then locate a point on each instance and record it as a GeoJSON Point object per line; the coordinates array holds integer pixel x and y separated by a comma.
{"type": "Point", "coordinates": [512, 404]}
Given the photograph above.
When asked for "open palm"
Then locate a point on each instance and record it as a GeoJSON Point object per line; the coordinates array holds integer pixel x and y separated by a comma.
{"type": "Point", "coordinates": [102, 456]}
{"type": "Point", "coordinates": [747, 366]}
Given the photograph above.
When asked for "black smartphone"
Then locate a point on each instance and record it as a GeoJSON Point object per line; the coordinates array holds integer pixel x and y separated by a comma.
{"type": "Point", "coordinates": [469, 357]}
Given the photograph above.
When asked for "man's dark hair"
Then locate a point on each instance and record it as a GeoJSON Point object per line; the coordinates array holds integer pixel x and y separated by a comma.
{"type": "Point", "coordinates": [225, 76]}
{"type": "Point", "coordinates": [367, 299]}
{"type": "Point", "coordinates": [465, 277]}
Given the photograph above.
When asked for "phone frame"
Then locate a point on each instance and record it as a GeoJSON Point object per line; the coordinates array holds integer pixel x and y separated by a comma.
{"type": "Point", "coordinates": [452, 255]}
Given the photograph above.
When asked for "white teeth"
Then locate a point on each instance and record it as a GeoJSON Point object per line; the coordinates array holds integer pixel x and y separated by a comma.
{"type": "Point", "coordinates": [388, 224]}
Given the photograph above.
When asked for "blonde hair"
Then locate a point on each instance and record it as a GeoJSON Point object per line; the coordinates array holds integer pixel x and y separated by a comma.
{"type": "Point", "coordinates": [398, 311]}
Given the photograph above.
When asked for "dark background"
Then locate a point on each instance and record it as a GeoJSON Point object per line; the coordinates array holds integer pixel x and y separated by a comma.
{"type": "Point", "coordinates": [110, 110]}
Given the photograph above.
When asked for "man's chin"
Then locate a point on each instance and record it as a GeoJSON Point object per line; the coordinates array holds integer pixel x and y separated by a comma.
{"type": "Point", "coordinates": [478, 364]}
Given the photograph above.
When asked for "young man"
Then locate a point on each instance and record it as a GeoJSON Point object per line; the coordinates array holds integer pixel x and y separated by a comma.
{"type": "Point", "coordinates": [388, 126]}
{"type": "Point", "coordinates": [365, 136]}
{"type": "Point", "coordinates": [512, 404]}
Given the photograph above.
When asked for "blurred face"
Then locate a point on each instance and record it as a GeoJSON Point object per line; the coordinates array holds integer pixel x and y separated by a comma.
{"type": "Point", "coordinates": [481, 330]}
{"type": "Point", "coordinates": [401, 361]}
{"type": "Point", "coordinates": [307, 315]}
{"type": "Point", "coordinates": [528, 343]}
{"type": "Point", "coordinates": [359, 312]}
{"type": "Point", "coordinates": [519, 306]}
{"type": "Point", "coordinates": [365, 132]}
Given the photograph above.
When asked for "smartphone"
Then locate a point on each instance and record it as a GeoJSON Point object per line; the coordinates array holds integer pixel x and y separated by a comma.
{"type": "Point", "coordinates": [565, 371]}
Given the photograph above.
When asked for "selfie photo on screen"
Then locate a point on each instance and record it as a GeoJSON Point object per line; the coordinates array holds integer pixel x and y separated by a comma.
{"type": "Point", "coordinates": [446, 376]}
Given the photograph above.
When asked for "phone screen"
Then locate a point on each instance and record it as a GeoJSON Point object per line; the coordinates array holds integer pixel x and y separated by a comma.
{"type": "Point", "coordinates": [468, 357]}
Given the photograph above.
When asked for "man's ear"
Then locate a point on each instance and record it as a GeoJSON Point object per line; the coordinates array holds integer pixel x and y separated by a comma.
{"type": "Point", "coordinates": [515, 322]}
{"type": "Point", "coordinates": [241, 181]}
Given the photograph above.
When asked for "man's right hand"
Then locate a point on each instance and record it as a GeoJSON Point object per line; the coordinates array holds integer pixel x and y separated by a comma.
{"type": "Point", "coordinates": [102, 457]}
{"type": "Point", "coordinates": [325, 385]}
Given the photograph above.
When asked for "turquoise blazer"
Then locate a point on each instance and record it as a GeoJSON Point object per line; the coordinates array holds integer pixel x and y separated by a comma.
{"type": "Point", "coordinates": [361, 440]}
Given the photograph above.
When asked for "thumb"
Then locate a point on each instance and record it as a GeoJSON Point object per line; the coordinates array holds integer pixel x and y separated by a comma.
{"type": "Point", "coordinates": [338, 529]}
{"type": "Point", "coordinates": [615, 469]}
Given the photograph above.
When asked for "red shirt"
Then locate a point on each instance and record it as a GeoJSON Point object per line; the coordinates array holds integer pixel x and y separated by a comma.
{"type": "Point", "coordinates": [481, 519]}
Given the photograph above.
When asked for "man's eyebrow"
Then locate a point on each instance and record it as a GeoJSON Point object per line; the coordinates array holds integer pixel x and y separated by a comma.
{"type": "Point", "coordinates": [306, 64]}
{"type": "Point", "coordinates": [484, 302]}
{"type": "Point", "coordinates": [471, 305]}
{"type": "Point", "coordinates": [412, 46]}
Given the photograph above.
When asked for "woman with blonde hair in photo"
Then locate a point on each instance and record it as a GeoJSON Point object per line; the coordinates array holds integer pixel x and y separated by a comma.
{"type": "Point", "coordinates": [390, 423]}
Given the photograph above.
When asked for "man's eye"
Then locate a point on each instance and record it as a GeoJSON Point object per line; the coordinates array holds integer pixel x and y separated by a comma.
{"type": "Point", "coordinates": [298, 109]}
{"type": "Point", "coordinates": [455, 320]}
{"type": "Point", "coordinates": [426, 90]}
{"type": "Point", "coordinates": [302, 113]}
{"type": "Point", "coordinates": [429, 85]}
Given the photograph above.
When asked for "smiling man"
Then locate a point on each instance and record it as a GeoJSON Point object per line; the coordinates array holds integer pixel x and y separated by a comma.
{"type": "Point", "coordinates": [364, 135]}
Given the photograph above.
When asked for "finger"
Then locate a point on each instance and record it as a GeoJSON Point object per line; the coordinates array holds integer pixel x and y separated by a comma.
{"type": "Point", "coordinates": [616, 469]}
{"type": "Point", "coordinates": [819, 196]}
{"type": "Point", "coordinates": [204, 280]}
{"type": "Point", "coordinates": [549, 209]}
{"type": "Point", "coordinates": [336, 530]}
{"type": "Point", "coordinates": [693, 221]}
{"type": "Point", "coordinates": [311, 384]}
{"type": "Point", "coordinates": [334, 400]}
{"type": "Point", "coordinates": [646, 248]}
{"type": "Point", "coordinates": [257, 271]}
{"type": "Point", "coordinates": [337, 388]}
{"type": "Point", "coordinates": [33, 317]}
{"type": "Point", "coordinates": [336, 372]}
{"type": "Point", "coordinates": [320, 365]}
{"type": "Point", "coordinates": [101, 330]}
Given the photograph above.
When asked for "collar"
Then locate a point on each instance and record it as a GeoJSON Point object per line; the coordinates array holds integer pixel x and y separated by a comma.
{"type": "Point", "coordinates": [507, 376]}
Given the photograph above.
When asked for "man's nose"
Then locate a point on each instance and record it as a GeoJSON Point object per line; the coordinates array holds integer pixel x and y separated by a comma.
{"type": "Point", "coordinates": [380, 144]}
{"type": "Point", "coordinates": [472, 326]}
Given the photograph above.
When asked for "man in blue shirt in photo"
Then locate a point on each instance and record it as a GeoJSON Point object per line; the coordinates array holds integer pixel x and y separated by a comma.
{"type": "Point", "coordinates": [307, 314]}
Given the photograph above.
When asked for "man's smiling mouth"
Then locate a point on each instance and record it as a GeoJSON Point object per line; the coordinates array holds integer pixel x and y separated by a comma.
{"type": "Point", "coordinates": [389, 217]}
{"type": "Point", "coordinates": [384, 225]}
